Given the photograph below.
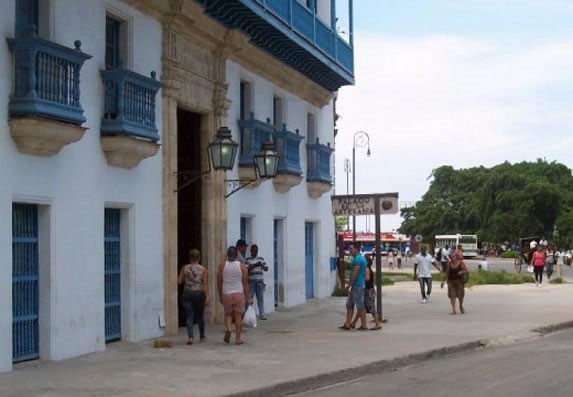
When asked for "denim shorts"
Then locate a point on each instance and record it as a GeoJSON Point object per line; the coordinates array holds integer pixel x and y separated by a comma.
{"type": "Point", "coordinates": [356, 298]}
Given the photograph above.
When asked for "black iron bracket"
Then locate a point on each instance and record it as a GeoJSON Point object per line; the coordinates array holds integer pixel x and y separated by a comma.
{"type": "Point", "coordinates": [187, 178]}
{"type": "Point", "coordinates": [238, 184]}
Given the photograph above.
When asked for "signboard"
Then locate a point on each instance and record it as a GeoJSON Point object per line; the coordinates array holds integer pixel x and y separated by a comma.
{"type": "Point", "coordinates": [348, 205]}
{"type": "Point", "coordinates": [364, 204]}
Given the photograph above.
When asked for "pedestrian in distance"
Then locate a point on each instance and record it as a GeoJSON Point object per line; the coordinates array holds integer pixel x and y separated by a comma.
{"type": "Point", "coordinates": [423, 263]}
{"type": "Point", "coordinates": [538, 262]}
{"type": "Point", "coordinates": [233, 288]}
{"type": "Point", "coordinates": [195, 295]}
{"type": "Point", "coordinates": [390, 259]}
{"type": "Point", "coordinates": [454, 277]}
{"type": "Point", "coordinates": [356, 288]}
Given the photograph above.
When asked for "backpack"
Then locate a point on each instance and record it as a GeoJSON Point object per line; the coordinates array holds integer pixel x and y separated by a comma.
{"type": "Point", "coordinates": [439, 255]}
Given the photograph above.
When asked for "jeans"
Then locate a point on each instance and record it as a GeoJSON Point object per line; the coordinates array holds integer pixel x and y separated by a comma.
{"type": "Point", "coordinates": [425, 282]}
{"type": "Point", "coordinates": [257, 287]}
{"type": "Point", "coordinates": [194, 304]}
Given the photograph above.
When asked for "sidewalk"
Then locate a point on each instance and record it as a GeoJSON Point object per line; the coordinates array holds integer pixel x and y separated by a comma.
{"type": "Point", "coordinates": [295, 344]}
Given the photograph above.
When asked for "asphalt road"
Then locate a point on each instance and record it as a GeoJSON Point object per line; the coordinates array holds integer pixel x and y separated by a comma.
{"type": "Point", "coordinates": [539, 367]}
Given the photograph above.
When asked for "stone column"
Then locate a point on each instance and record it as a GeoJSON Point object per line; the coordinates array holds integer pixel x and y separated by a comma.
{"type": "Point", "coordinates": [169, 146]}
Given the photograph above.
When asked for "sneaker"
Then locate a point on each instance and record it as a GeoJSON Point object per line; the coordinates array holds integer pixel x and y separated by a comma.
{"type": "Point", "coordinates": [262, 317]}
{"type": "Point", "coordinates": [424, 300]}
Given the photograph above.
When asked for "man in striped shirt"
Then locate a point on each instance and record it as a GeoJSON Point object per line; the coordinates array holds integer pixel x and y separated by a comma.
{"type": "Point", "coordinates": [257, 265]}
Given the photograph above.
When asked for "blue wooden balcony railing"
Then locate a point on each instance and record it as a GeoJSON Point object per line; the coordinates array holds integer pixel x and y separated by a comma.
{"type": "Point", "coordinates": [47, 79]}
{"type": "Point", "coordinates": [129, 107]}
{"type": "Point", "coordinates": [294, 34]}
{"type": "Point", "coordinates": [288, 147]}
{"type": "Point", "coordinates": [253, 133]}
{"type": "Point", "coordinates": [318, 166]}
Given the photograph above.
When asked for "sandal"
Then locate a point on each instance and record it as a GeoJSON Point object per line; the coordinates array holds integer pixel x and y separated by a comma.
{"type": "Point", "coordinates": [362, 329]}
{"type": "Point", "coordinates": [376, 328]}
{"type": "Point", "coordinates": [344, 327]}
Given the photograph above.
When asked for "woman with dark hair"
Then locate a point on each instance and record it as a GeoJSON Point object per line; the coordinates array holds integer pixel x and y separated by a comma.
{"type": "Point", "coordinates": [233, 288]}
{"type": "Point", "coordinates": [538, 262]}
{"type": "Point", "coordinates": [369, 296]}
{"type": "Point", "coordinates": [195, 294]}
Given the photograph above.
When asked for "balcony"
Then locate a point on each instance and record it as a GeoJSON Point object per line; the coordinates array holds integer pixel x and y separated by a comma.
{"type": "Point", "coordinates": [318, 177]}
{"type": "Point", "coordinates": [45, 110]}
{"type": "Point", "coordinates": [292, 33]}
{"type": "Point", "coordinates": [128, 130]}
{"type": "Point", "coordinates": [252, 135]}
{"type": "Point", "coordinates": [289, 171]}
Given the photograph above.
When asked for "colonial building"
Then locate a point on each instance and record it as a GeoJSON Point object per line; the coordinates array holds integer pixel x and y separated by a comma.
{"type": "Point", "coordinates": [107, 183]}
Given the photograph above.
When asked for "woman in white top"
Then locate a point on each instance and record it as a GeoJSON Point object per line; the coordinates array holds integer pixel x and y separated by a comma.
{"type": "Point", "coordinates": [233, 287]}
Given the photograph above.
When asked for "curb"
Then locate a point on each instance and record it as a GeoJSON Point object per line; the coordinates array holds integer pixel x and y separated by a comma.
{"type": "Point", "coordinates": [348, 374]}
{"type": "Point", "coordinates": [327, 379]}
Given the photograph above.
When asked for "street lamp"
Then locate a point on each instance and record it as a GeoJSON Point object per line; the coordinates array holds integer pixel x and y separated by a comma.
{"type": "Point", "coordinates": [361, 139]}
{"type": "Point", "coordinates": [222, 152]}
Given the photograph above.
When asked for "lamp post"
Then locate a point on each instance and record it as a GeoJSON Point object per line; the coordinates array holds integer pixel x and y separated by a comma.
{"type": "Point", "coordinates": [361, 139]}
{"type": "Point", "coordinates": [347, 171]}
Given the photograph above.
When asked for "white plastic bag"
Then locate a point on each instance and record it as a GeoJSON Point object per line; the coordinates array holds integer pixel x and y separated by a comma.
{"type": "Point", "coordinates": [530, 269]}
{"type": "Point", "coordinates": [250, 319]}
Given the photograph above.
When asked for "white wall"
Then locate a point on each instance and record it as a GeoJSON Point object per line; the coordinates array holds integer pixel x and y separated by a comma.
{"type": "Point", "coordinates": [78, 184]}
{"type": "Point", "coordinates": [295, 207]}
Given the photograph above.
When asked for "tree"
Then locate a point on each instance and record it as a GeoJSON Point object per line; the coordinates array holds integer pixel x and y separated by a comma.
{"type": "Point", "coordinates": [340, 223]}
{"type": "Point", "coordinates": [501, 203]}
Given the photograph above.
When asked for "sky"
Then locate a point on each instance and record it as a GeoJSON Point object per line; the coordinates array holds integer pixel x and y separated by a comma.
{"type": "Point", "coordinates": [453, 82]}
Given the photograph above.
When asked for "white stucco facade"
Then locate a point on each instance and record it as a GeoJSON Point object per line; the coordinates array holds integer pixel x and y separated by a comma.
{"type": "Point", "coordinates": [72, 189]}
{"type": "Point", "coordinates": [262, 205]}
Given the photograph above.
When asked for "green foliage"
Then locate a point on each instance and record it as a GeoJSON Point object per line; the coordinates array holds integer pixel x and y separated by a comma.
{"type": "Point", "coordinates": [502, 203]}
{"type": "Point", "coordinates": [509, 254]}
{"type": "Point", "coordinates": [498, 277]}
{"type": "Point", "coordinates": [340, 223]}
{"type": "Point", "coordinates": [557, 280]}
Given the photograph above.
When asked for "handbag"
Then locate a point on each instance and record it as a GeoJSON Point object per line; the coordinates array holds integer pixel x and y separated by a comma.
{"type": "Point", "coordinates": [250, 319]}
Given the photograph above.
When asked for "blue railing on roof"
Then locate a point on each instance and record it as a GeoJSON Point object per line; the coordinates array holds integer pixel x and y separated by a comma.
{"type": "Point", "coordinates": [288, 147]}
{"type": "Point", "coordinates": [47, 79]}
{"type": "Point", "coordinates": [318, 162]}
{"type": "Point", "coordinates": [129, 107]}
{"type": "Point", "coordinates": [306, 22]}
{"type": "Point", "coordinates": [253, 133]}
{"type": "Point", "coordinates": [294, 34]}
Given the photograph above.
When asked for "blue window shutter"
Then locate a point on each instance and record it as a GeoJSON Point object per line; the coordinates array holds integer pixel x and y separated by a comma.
{"type": "Point", "coordinates": [112, 43]}
{"type": "Point", "coordinates": [27, 12]}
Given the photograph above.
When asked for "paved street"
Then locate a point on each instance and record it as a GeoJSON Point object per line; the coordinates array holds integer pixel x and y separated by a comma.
{"type": "Point", "coordinates": [540, 367]}
{"type": "Point", "coordinates": [296, 344]}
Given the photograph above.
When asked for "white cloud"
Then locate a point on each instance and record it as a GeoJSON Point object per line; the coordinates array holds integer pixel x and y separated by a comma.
{"type": "Point", "coordinates": [435, 100]}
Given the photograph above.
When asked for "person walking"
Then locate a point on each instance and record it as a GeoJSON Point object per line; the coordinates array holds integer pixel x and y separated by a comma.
{"type": "Point", "coordinates": [195, 295]}
{"type": "Point", "coordinates": [233, 288]}
{"type": "Point", "coordinates": [256, 265]}
{"type": "Point", "coordinates": [390, 259]}
{"type": "Point", "coordinates": [550, 261]}
{"type": "Point", "coordinates": [369, 297]}
{"type": "Point", "coordinates": [538, 262]}
{"type": "Point", "coordinates": [424, 262]}
{"type": "Point", "coordinates": [356, 290]}
{"type": "Point", "coordinates": [445, 254]}
{"type": "Point", "coordinates": [453, 276]}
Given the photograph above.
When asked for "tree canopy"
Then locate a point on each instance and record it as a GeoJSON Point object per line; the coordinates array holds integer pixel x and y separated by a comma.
{"type": "Point", "coordinates": [499, 204]}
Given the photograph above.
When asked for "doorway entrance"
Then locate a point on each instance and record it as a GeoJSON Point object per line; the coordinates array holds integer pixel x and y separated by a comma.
{"type": "Point", "coordinates": [188, 199]}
